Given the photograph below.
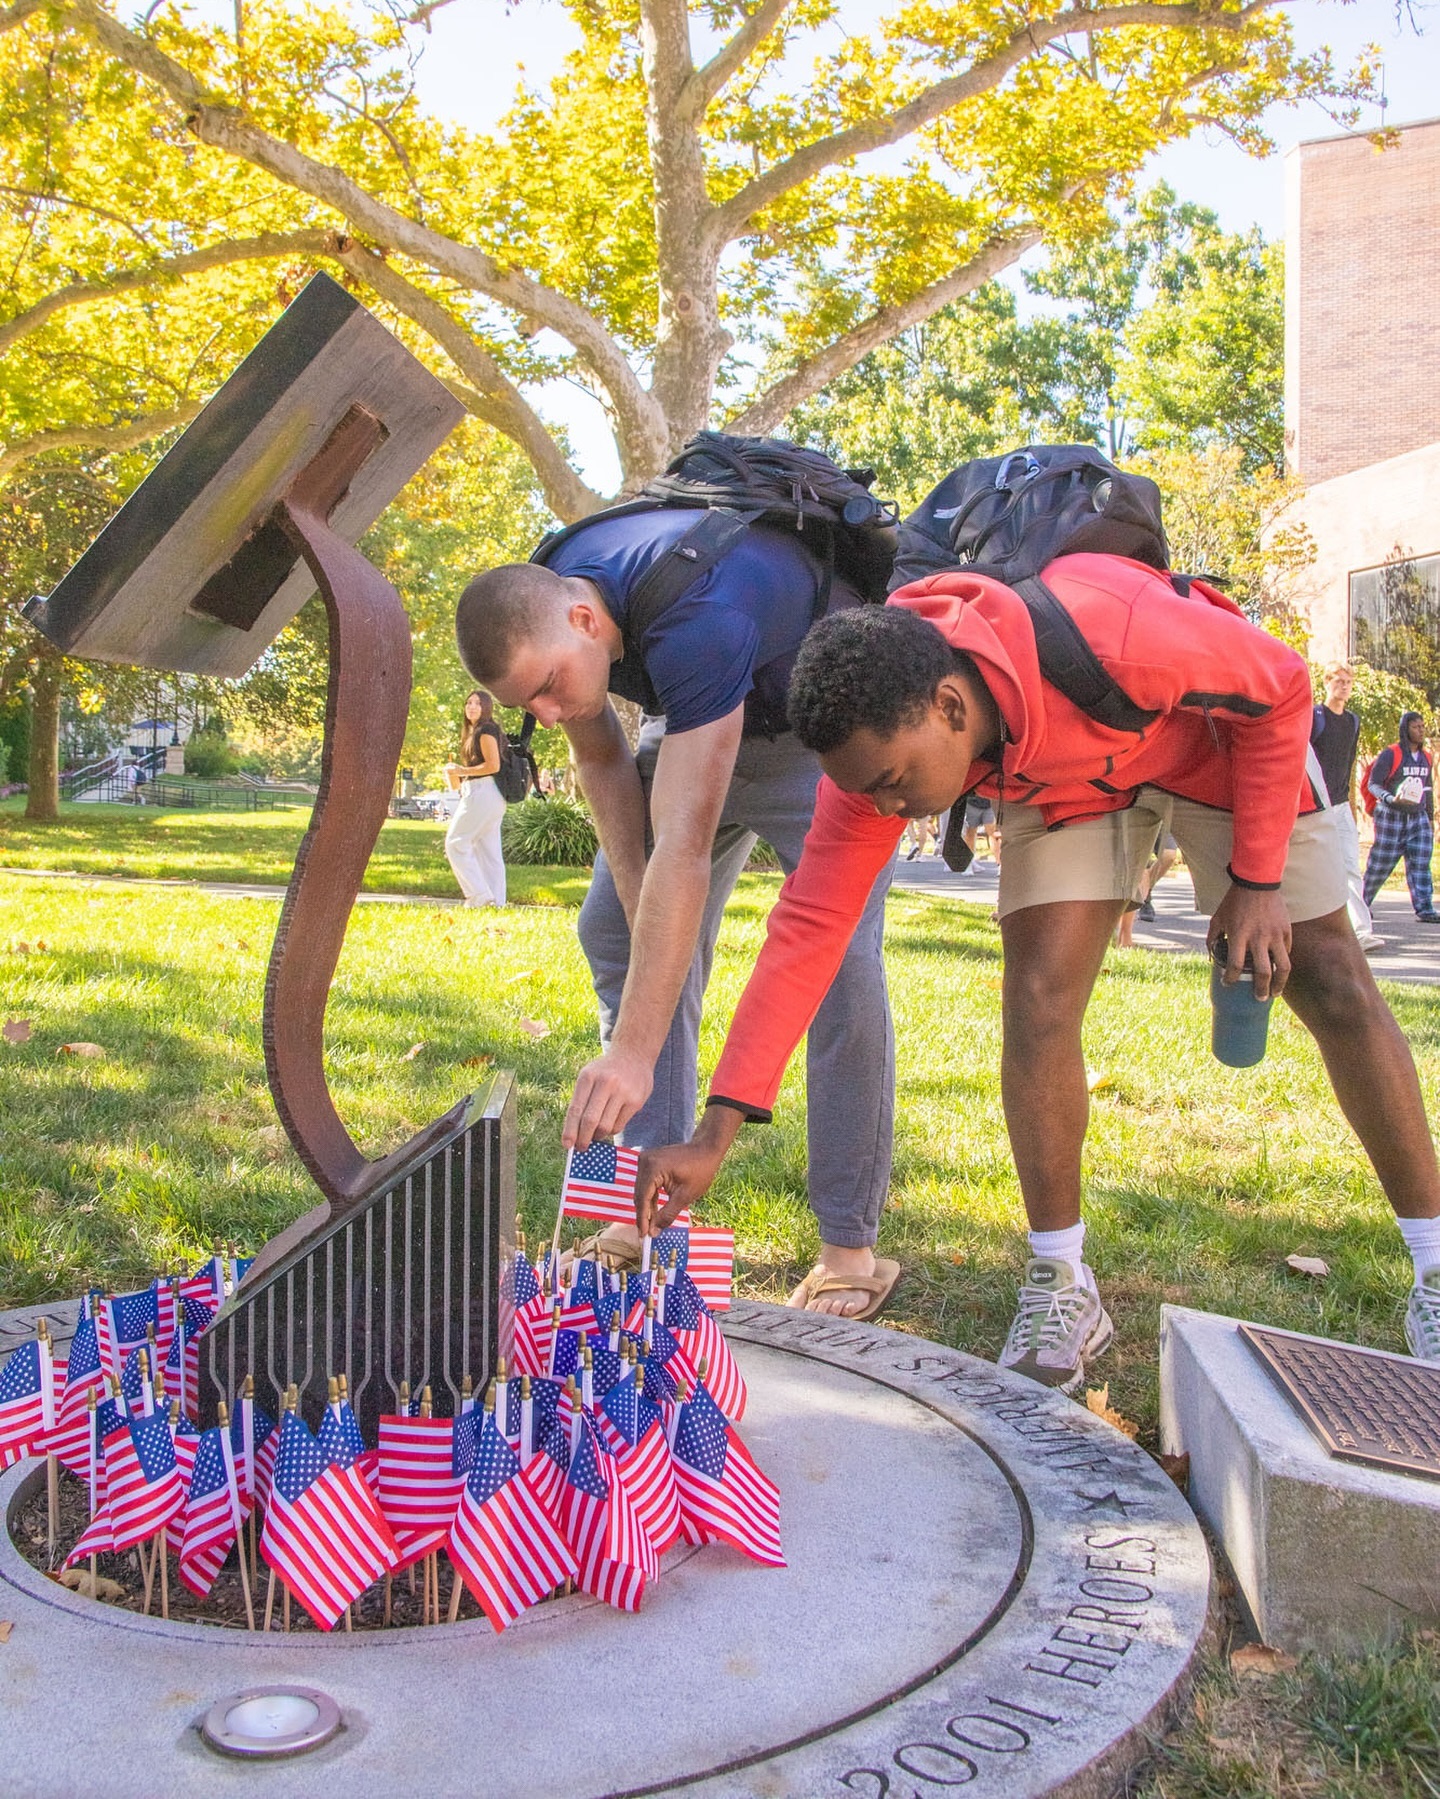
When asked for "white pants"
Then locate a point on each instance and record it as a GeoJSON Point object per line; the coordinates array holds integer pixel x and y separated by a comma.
{"type": "Point", "coordinates": [1360, 919]}
{"type": "Point", "coordinates": [473, 842]}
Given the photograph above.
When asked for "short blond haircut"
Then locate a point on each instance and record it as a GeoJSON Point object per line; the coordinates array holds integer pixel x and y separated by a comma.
{"type": "Point", "coordinates": [1338, 668]}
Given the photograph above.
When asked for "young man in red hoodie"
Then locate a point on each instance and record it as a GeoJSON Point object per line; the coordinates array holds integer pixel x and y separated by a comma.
{"type": "Point", "coordinates": [940, 694]}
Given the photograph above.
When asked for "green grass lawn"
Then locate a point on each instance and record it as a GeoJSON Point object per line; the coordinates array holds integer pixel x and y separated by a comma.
{"type": "Point", "coordinates": [252, 847]}
{"type": "Point", "coordinates": [1200, 1180]}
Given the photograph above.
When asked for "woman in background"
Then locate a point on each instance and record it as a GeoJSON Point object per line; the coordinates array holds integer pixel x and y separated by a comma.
{"type": "Point", "coordinates": [473, 841]}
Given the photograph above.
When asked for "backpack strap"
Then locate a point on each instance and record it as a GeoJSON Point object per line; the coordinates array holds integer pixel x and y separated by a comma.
{"type": "Point", "coordinates": [1068, 663]}
{"type": "Point", "coordinates": [681, 566]}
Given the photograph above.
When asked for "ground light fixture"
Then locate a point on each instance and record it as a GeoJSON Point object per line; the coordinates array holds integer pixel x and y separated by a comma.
{"type": "Point", "coordinates": [266, 1723]}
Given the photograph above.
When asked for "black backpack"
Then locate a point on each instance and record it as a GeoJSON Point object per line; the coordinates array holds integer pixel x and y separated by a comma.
{"type": "Point", "coordinates": [518, 773]}
{"type": "Point", "coordinates": [1010, 516]}
{"type": "Point", "coordinates": [736, 482]}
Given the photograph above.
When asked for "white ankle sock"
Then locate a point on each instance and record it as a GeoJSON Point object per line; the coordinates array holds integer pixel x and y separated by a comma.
{"type": "Point", "coordinates": [1062, 1246]}
{"type": "Point", "coordinates": [1422, 1239]}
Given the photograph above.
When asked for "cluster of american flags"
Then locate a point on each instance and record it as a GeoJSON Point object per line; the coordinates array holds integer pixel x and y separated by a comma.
{"type": "Point", "coordinates": [607, 1436]}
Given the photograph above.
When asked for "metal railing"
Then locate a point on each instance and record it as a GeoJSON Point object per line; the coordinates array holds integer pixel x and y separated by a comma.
{"type": "Point", "coordinates": [182, 793]}
{"type": "Point", "coordinates": [106, 774]}
{"type": "Point", "coordinates": [405, 1287]}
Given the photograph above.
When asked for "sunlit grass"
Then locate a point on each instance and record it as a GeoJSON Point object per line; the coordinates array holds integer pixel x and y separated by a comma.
{"type": "Point", "coordinates": [256, 848]}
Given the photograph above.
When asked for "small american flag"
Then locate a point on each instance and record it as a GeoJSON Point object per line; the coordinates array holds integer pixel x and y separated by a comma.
{"type": "Point", "coordinates": [600, 1183]}
{"type": "Point", "coordinates": [97, 1537]}
{"type": "Point", "coordinates": [504, 1541]}
{"type": "Point", "coordinates": [254, 1441]}
{"type": "Point", "coordinates": [534, 1336]}
{"type": "Point", "coordinates": [324, 1535]}
{"type": "Point", "coordinates": [633, 1432]}
{"type": "Point", "coordinates": [701, 1339]}
{"type": "Point", "coordinates": [207, 1284]}
{"type": "Point", "coordinates": [69, 1442]}
{"type": "Point", "coordinates": [182, 1360]}
{"type": "Point", "coordinates": [22, 1402]}
{"type": "Point", "coordinates": [711, 1265]}
{"type": "Point", "coordinates": [137, 1383]}
{"type": "Point", "coordinates": [143, 1486]}
{"type": "Point", "coordinates": [612, 1548]}
{"type": "Point", "coordinates": [343, 1443]}
{"type": "Point", "coordinates": [126, 1320]}
{"type": "Point", "coordinates": [418, 1486]}
{"type": "Point", "coordinates": [213, 1513]}
{"type": "Point", "coordinates": [186, 1438]}
{"type": "Point", "coordinates": [724, 1498]}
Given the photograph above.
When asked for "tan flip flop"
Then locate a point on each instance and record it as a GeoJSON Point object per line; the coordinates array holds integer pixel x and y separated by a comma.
{"type": "Point", "coordinates": [879, 1285]}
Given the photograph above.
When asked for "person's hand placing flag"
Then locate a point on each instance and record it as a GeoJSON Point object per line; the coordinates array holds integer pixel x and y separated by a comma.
{"type": "Point", "coordinates": [672, 1177]}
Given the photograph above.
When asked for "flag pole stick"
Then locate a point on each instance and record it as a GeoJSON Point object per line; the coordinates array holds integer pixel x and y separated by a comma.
{"type": "Point", "coordinates": [389, 1595]}
{"type": "Point", "coordinates": [94, 1579]}
{"type": "Point", "coordinates": [147, 1571]}
{"type": "Point", "coordinates": [560, 1214]}
{"type": "Point", "coordinates": [349, 1621]}
{"type": "Point", "coordinates": [245, 1586]}
{"type": "Point", "coordinates": [47, 1418]}
{"type": "Point", "coordinates": [163, 1553]}
{"type": "Point", "coordinates": [455, 1591]}
{"type": "Point", "coordinates": [270, 1601]}
{"type": "Point", "coordinates": [52, 1505]}
{"type": "Point", "coordinates": [222, 1414]}
{"type": "Point", "coordinates": [285, 1588]}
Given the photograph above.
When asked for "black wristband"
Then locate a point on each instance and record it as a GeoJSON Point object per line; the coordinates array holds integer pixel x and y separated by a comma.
{"type": "Point", "coordinates": [1252, 886]}
{"type": "Point", "coordinates": [752, 1114]}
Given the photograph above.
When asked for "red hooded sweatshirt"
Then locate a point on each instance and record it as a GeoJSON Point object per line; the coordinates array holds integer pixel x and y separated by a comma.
{"type": "Point", "coordinates": [1232, 731]}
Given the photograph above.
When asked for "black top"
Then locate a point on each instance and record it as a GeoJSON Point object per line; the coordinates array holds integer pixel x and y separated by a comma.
{"type": "Point", "coordinates": [491, 730]}
{"type": "Point", "coordinates": [1336, 736]}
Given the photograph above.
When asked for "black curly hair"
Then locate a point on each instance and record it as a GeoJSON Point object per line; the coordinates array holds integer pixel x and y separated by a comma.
{"type": "Point", "coordinates": [868, 667]}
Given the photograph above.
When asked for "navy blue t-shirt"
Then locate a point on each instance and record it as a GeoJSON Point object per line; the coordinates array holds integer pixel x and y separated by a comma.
{"type": "Point", "coordinates": [732, 636]}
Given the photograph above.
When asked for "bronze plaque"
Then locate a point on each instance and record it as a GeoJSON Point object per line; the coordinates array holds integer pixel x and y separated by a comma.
{"type": "Point", "coordinates": [1364, 1404]}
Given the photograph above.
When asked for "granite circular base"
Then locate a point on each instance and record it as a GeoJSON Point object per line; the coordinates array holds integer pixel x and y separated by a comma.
{"type": "Point", "coordinates": [987, 1587]}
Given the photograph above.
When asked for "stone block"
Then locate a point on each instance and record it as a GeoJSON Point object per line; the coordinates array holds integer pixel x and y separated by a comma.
{"type": "Point", "coordinates": [1328, 1555]}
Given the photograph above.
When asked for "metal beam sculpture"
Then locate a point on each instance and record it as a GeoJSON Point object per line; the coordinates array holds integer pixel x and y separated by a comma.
{"type": "Point", "coordinates": [258, 504]}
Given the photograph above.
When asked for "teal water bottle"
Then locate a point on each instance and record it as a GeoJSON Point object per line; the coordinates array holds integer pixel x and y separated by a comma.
{"type": "Point", "coordinates": [1239, 1023]}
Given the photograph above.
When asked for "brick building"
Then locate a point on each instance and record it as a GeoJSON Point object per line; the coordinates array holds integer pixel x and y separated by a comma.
{"type": "Point", "coordinates": [1362, 384]}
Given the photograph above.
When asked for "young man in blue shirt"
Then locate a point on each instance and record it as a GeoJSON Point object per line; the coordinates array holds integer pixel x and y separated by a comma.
{"type": "Point", "coordinates": [716, 767]}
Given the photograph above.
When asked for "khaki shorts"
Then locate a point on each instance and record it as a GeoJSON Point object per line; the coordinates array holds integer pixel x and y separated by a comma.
{"type": "Point", "coordinates": [1104, 858]}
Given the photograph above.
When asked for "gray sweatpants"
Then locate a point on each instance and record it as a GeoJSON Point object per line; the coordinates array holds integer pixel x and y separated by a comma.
{"type": "Point", "coordinates": [851, 1046]}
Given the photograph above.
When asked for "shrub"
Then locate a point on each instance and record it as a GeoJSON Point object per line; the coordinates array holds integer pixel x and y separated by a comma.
{"type": "Point", "coordinates": [557, 832]}
{"type": "Point", "coordinates": [208, 756]}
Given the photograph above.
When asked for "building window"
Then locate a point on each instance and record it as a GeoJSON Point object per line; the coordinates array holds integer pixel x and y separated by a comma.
{"type": "Point", "coordinates": [1395, 619]}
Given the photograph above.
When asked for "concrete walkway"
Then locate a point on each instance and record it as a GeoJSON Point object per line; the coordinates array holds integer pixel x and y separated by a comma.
{"type": "Point", "coordinates": [1411, 952]}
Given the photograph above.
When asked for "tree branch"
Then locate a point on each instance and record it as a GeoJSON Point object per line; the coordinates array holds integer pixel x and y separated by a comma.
{"type": "Point", "coordinates": [727, 221]}
{"type": "Point", "coordinates": [19, 12]}
{"type": "Point", "coordinates": [643, 434]}
{"type": "Point", "coordinates": [501, 403]}
{"type": "Point", "coordinates": [704, 83]}
{"type": "Point", "coordinates": [96, 437]}
{"type": "Point", "coordinates": [245, 249]}
{"type": "Point", "coordinates": [766, 411]}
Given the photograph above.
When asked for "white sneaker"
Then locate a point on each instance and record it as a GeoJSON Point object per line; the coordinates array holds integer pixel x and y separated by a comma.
{"type": "Point", "coordinates": [1060, 1324]}
{"type": "Point", "coordinates": [1371, 943]}
{"type": "Point", "coordinates": [1422, 1317]}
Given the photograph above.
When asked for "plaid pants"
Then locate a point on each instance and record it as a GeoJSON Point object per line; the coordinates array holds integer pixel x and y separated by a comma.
{"type": "Point", "coordinates": [1397, 834]}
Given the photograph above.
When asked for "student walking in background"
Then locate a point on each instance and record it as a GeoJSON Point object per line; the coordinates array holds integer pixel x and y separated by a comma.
{"type": "Point", "coordinates": [472, 843]}
{"type": "Point", "coordinates": [1403, 788]}
{"type": "Point", "coordinates": [1335, 736]}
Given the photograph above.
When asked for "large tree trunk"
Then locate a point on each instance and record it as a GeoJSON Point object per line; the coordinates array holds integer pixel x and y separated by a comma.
{"type": "Point", "coordinates": [43, 804]}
